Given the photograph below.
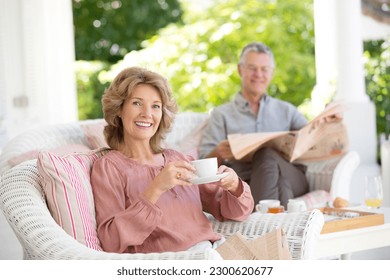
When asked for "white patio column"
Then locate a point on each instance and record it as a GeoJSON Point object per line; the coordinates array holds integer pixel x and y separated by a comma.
{"type": "Point", "coordinates": [37, 81]}
{"type": "Point", "coordinates": [339, 63]}
{"type": "Point", "coordinates": [326, 54]}
{"type": "Point", "coordinates": [351, 84]}
{"type": "Point", "coordinates": [360, 118]}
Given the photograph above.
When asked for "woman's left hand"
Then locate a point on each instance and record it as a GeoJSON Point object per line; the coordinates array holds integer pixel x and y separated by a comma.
{"type": "Point", "coordinates": [231, 181]}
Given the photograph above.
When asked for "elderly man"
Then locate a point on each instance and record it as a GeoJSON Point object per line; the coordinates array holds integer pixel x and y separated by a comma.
{"type": "Point", "coordinates": [269, 175]}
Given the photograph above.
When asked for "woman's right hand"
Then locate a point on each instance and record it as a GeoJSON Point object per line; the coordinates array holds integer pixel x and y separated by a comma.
{"type": "Point", "coordinates": [173, 174]}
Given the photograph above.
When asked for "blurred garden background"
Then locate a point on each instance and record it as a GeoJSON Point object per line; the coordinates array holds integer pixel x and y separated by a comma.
{"type": "Point", "coordinates": [196, 44]}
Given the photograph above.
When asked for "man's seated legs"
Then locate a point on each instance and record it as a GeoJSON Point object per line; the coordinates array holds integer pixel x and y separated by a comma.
{"type": "Point", "coordinates": [270, 176]}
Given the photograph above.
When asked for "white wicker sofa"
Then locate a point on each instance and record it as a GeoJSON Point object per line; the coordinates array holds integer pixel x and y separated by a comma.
{"type": "Point", "coordinates": [24, 204]}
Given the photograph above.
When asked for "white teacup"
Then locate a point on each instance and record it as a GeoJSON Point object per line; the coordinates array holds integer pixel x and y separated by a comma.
{"type": "Point", "coordinates": [296, 206]}
{"type": "Point", "coordinates": [207, 167]}
{"type": "Point", "coordinates": [263, 205]}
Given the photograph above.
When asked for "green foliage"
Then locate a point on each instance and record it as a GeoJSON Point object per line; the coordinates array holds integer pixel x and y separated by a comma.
{"type": "Point", "coordinates": [90, 88]}
{"type": "Point", "coordinates": [200, 57]}
{"type": "Point", "coordinates": [377, 55]}
{"type": "Point", "coordinates": [108, 29]}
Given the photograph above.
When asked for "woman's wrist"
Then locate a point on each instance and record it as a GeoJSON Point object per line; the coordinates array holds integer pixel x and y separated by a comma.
{"type": "Point", "coordinates": [152, 194]}
{"type": "Point", "coordinates": [238, 190]}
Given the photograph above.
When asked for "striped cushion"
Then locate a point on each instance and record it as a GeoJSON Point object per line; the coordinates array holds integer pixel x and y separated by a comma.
{"type": "Point", "coordinates": [68, 191]}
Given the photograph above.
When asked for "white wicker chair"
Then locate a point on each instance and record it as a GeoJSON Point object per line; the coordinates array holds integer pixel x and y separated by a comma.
{"type": "Point", "coordinates": [24, 206]}
{"type": "Point", "coordinates": [23, 203]}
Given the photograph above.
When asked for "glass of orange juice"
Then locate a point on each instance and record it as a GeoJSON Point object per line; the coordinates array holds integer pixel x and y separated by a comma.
{"type": "Point", "coordinates": [373, 191]}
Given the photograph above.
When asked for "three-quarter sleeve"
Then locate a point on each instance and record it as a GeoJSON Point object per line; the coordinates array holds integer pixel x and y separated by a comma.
{"type": "Point", "coordinates": [223, 205]}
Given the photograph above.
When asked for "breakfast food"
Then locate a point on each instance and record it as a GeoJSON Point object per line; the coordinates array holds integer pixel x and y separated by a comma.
{"type": "Point", "coordinates": [339, 202]}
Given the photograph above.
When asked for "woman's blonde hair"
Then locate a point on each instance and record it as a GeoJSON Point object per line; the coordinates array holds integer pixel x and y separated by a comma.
{"type": "Point", "coordinates": [121, 89]}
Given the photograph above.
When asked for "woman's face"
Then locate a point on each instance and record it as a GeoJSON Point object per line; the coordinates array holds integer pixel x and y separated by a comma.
{"type": "Point", "coordinates": [141, 113]}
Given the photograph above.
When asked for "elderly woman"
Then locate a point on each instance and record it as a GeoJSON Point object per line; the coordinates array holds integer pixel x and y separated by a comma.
{"type": "Point", "coordinates": [143, 196]}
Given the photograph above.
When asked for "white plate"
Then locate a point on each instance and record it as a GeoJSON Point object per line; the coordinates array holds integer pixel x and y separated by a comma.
{"type": "Point", "coordinates": [204, 180]}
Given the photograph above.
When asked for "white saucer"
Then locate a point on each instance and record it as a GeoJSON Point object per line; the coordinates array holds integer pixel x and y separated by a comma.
{"type": "Point", "coordinates": [204, 180]}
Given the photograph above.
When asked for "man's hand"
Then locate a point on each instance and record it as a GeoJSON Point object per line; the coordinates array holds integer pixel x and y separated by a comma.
{"type": "Point", "coordinates": [335, 117]}
{"type": "Point", "coordinates": [224, 151]}
{"type": "Point", "coordinates": [328, 119]}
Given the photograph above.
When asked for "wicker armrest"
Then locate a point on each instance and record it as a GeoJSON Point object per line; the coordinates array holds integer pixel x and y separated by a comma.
{"type": "Point", "coordinates": [25, 209]}
{"type": "Point", "coordinates": [302, 229]}
{"type": "Point", "coordinates": [333, 175]}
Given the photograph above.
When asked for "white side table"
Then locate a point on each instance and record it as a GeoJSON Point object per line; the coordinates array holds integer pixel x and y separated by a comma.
{"type": "Point", "coordinates": [349, 241]}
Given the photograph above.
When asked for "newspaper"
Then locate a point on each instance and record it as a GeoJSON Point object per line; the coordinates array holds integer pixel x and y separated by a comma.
{"type": "Point", "coordinates": [271, 246]}
{"type": "Point", "coordinates": [323, 137]}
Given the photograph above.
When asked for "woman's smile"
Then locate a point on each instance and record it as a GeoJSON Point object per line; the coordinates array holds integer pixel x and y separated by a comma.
{"type": "Point", "coordinates": [143, 124]}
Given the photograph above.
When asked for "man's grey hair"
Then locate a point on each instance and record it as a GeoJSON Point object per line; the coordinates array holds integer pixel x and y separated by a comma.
{"type": "Point", "coordinates": [259, 48]}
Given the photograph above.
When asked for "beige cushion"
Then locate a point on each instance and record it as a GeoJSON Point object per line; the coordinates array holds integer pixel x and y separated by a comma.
{"type": "Point", "coordinates": [316, 199]}
{"type": "Point", "coordinates": [66, 183]}
{"type": "Point", "coordinates": [94, 134]}
{"type": "Point", "coordinates": [67, 149]}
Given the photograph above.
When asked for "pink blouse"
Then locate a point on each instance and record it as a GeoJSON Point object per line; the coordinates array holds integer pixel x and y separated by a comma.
{"type": "Point", "coordinates": [128, 223]}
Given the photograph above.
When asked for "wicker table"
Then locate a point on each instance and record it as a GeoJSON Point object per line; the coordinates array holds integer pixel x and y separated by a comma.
{"type": "Point", "coordinates": [348, 241]}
